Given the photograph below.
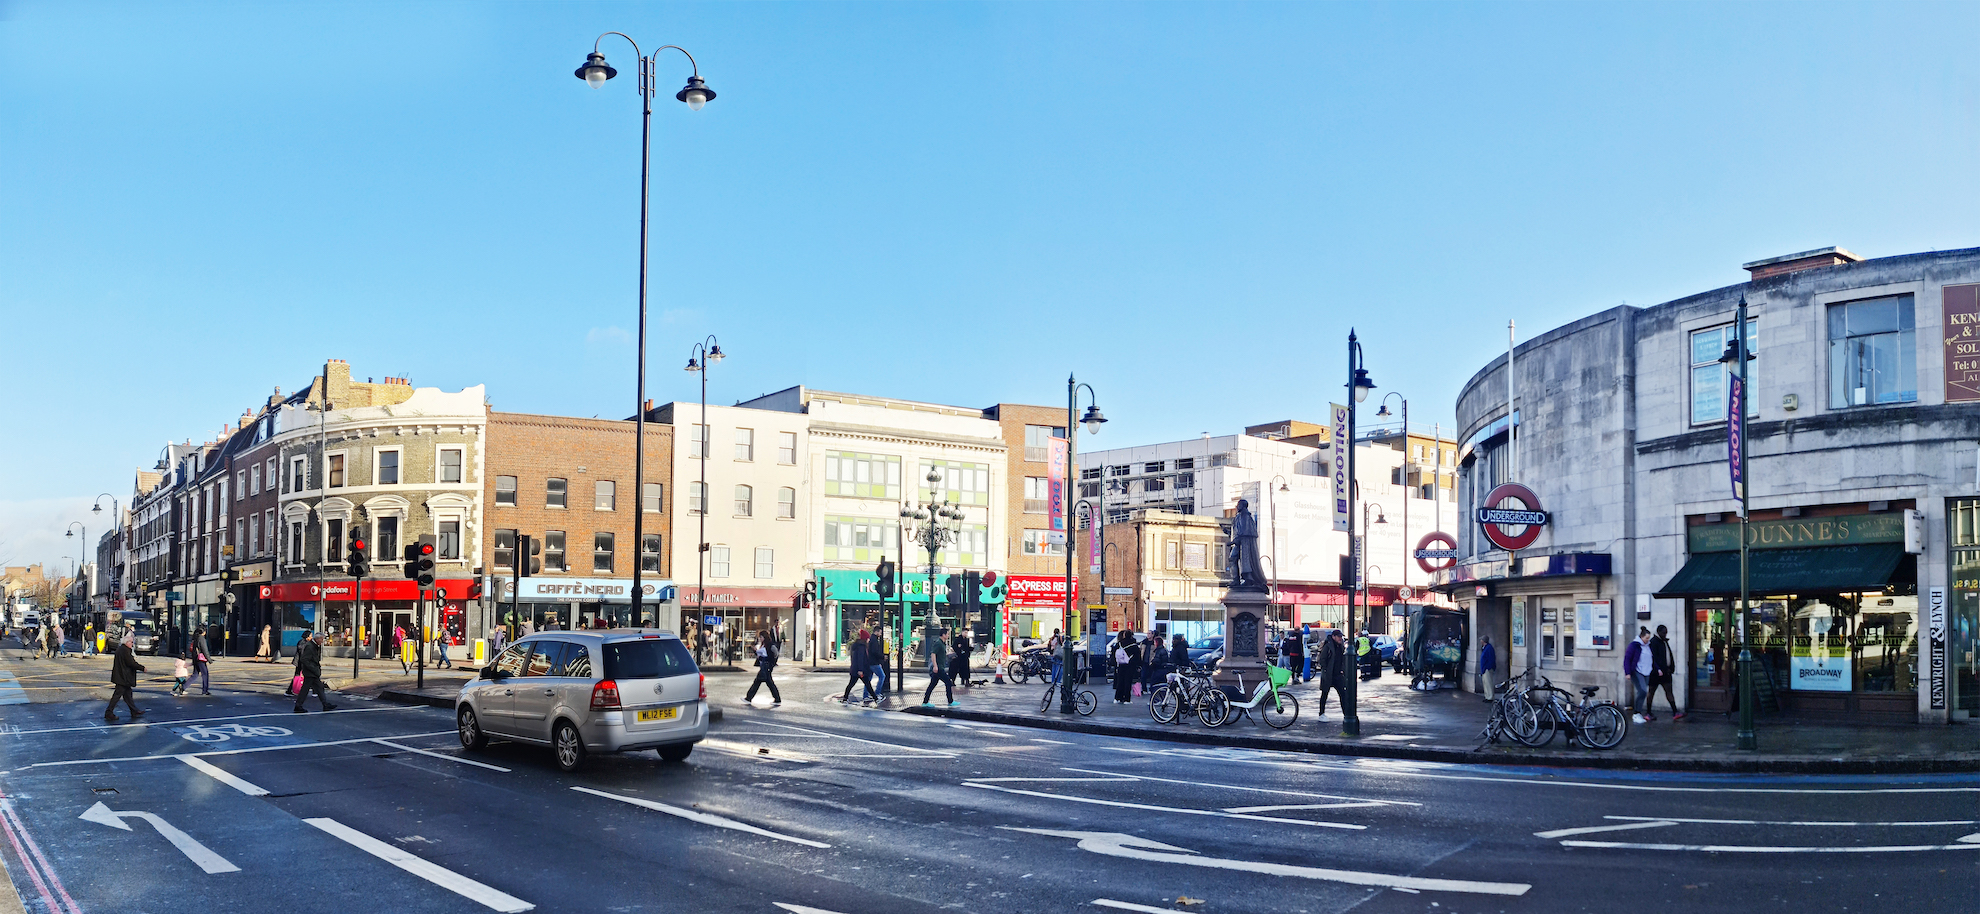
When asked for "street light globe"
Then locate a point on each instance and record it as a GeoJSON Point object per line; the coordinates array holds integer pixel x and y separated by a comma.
{"type": "Point", "coordinates": [692, 365]}
{"type": "Point", "coordinates": [696, 93]}
{"type": "Point", "coordinates": [715, 354]}
{"type": "Point", "coordinates": [1362, 385]}
{"type": "Point", "coordinates": [595, 71]}
{"type": "Point", "coordinates": [1093, 420]}
{"type": "Point", "coordinates": [97, 508]}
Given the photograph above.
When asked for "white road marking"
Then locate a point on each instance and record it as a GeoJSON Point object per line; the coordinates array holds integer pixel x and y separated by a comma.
{"type": "Point", "coordinates": [1353, 804]}
{"type": "Point", "coordinates": [208, 768]}
{"type": "Point", "coordinates": [1765, 822]}
{"type": "Point", "coordinates": [1055, 742]}
{"type": "Point", "coordinates": [702, 817]}
{"type": "Point", "coordinates": [440, 755]}
{"type": "Point", "coordinates": [1115, 844]}
{"type": "Point", "coordinates": [201, 720]}
{"type": "Point", "coordinates": [1565, 832]}
{"type": "Point", "coordinates": [1399, 736]}
{"type": "Point", "coordinates": [915, 755]}
{"type": "Point", "coordinates": [747, 750]}
{"type": "Point", "coordinates": [438, 875]}
{"type": "Point", "coordinates": [194, 851]}
{"type": "Point", "coordinates": [870, 742]}
{"type": "Point", "coordinates": [1174, 809]}
{"type": "Point", "coordinates": [11, 692]}
{"type": "Point", "coordinates": [152, 758]}
{"type": "Point", "coordinates": [1290, 793]}
{"type": "Point", "coordinates": [1968, 843]}
{"type": "Point", "coordinates": [801, 909]}
{"type": "Point", "coordinates": [1117, 780]}
{"type": "Point", "coordinates": [1130, 906]}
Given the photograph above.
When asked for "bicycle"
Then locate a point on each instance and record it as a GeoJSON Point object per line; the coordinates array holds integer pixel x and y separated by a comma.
{"type": "Point", "coordinates": [1512, 716]}
{"type": "Point", "coordinates": [1084, 701]}
{"type": "Point", "coordinates": [1597, 725]}
{"type": "Point", "coordinates": [1278, 709]}
{"type": "Point", "coordinates": [1028, 664]}
{"type": "Point", "coordinates": [1184, 690]}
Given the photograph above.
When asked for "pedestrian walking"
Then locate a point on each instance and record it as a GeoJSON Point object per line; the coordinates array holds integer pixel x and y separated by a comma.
{"type": "Point", "coordinates": [440, 644]}
{"type": "Point", "coordinates": [1292, 653]}
{"type": "Point", "coordinates": [1637, 663]}
{"type": "Point", "coordinates": [89, 639]}
{"type": "Point", "coordinates": [309, 664]}
{"type": "Point", "coordinates": [1488, 660]}
{"type": "Point", "coordinates": [51, 639]}
{"type": "Point", "coordinates": [196, 652]}
{"type": "Point", "coordinates": [766, 660]}
{"type": "Point", "coordinates": [876, 651]}
{"type": "Point", "coordinates": [937, 655]}
{"type": "Point", "coordinates": [399, 647]}
{"type": "Point", "coordinates": [860, 670]}
{"type": "Point", "coordinates": [1333, 668]}
{"type": "Point", "coordinates": [123, 678]}
{"type": "Point", "coordinates": [266, 653]}
{"type": "Point", "coordinates": [1127, 668]}
{"type": "Point", "coordinates": [1662, 665]}
{"type": "Point", "coordinates": [959, 666]}
{"type": "Point", "coordinates": [181, 673]}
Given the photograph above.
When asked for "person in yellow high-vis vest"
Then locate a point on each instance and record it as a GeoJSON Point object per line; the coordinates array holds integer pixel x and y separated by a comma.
{"type": "Point", "coordinates": [1364, 655]}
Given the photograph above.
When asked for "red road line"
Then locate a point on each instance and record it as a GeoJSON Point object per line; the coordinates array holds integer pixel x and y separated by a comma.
{"type": "Point", "coordinates": [14, 824]}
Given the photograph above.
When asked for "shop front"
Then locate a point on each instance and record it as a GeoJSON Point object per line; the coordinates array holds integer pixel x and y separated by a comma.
{"type": "Point", "coordinates": [248, 612]}
{"type": "Point", "coordinates": [365, 619]}
{"type": "Point", "coordinates": [721, 621]}
{"type": "Point", "coordinates": [1325, 606]}
{"type": "Point", "coordinates": [1035, 605]}
{"type": "Point", "coordinates": [851, 601]}
{"type": "Point", "coordinates": [1833, 612]}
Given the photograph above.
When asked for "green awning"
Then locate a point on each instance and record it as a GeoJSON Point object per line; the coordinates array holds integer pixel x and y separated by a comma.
{"type": "Point", "coordinates": [1815, 569]}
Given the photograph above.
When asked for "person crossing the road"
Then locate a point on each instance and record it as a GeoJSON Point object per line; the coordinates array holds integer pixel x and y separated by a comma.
{"type": "Point", "coordinates": [937, 655]}
{"type": "Point", "coordinates": [1333, 668]}
{"type": "Point", "coordinates": [766, 660]}
{"type": "Point", "coordinates": [196, 652]}
{"type": "Point", "coordinates": [123, 678]}
{"type": "Point", "coordinates": [309, 663]}
{"type": "Point", "coordinates": [860, 672]}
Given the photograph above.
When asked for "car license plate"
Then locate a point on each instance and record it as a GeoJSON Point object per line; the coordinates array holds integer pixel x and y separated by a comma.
{"type": "Point", "coordinates": [659, 714]}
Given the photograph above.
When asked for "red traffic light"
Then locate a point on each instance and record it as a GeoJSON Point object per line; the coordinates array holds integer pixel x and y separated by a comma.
{"type": "Point", "coordinates": [357, 544]}
{"type": "Point", "coordinates": [425, 548]}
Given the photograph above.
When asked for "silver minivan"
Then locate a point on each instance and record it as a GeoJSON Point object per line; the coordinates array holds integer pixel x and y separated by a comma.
{"type": "Point", "coordinates": [581, 692]}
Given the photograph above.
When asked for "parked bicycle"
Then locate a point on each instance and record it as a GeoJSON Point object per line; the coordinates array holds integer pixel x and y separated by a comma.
{"type": "Point", "coordinates": [1595, 724]}
{"type": "Point", "coordinates": [1183, 692]}
{"type": "Point", "coordinates": [1278, 709]}
{"type": "Point", "coordinates": [1083, 699]}
{"type": "Point", "coordinates": [1512, 716]}
{"type": "Point", "coordinates": [1028, 664]}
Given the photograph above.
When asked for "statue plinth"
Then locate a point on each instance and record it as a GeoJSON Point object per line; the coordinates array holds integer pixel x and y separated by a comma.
{"type": "Point", "coordinates": [1246, 616]}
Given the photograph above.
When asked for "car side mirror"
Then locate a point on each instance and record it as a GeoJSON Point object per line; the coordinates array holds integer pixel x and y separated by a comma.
{"type": "Point", "coordinates": [489, 672]}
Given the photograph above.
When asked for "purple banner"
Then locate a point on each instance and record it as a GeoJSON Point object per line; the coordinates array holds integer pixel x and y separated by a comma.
{"type": "Point", "coordinates": [1735, 434]}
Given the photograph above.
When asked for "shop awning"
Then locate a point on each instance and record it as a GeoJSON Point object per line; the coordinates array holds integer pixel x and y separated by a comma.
{"type": "Point", "coordinates": [1815, 569]}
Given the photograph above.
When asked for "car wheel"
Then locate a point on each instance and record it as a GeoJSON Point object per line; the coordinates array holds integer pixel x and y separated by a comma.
{"type": "Point", "coordinates": [677, 752]}
{"type": "Point", "coordinates": [472, 737]}
{"type": "Point", "coordinates": [569, 746]}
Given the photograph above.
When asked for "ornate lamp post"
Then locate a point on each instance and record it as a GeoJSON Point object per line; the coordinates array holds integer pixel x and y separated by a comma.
{"type": "Point", "coordinates": [696, 93]}
{"type": "Point", "coordinates": [699, 356]}
{"type": "Point", "coordinates": [1093, 420]}
{"type": "Point", "coordinates": [933, 524]}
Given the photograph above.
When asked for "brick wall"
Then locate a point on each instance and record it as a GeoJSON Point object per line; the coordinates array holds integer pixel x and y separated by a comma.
{"type": "Point", "coordinates": [534, 449]}
{"type": "Point", "coordinates": [1013, 418]}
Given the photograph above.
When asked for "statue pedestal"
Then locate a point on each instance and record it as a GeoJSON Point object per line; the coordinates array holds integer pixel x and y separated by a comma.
{"type": "Point", "coordinates": [1246, 616]}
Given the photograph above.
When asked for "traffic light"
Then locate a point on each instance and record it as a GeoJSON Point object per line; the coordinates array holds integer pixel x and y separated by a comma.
{"type": "Point", "coordinates": [421, 567]}
{"type": "Point", "coordinates": [884, 583]}
{"type": "Point", "coordinates": [972, 592]}
{"type": "Point", "coordinates": [954, 583]}
{"type": "Point", "coordinates": [1349, 580]}
{"type": "Point", "coordinates": [824, 590]}
{"type": "Point", "coordinates": [527, 551]}
{"type": "Point", "coordinates": [358, 561]}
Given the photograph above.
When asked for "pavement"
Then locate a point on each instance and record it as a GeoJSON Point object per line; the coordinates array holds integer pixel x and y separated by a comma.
{"type": "Point", "coordinates": [231, 803]}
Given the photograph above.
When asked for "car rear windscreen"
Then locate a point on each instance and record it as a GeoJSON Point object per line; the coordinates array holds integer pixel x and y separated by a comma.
{"type": "Point", "coordinates": [648, 658]}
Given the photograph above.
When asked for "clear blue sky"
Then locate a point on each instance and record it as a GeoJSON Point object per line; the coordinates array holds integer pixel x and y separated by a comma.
{"type": "Point", "coordinates": [1189, 204]}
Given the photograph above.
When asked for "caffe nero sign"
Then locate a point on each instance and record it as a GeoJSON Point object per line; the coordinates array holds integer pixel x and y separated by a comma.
{"type": "Point", "coordinates": [1852, 530]}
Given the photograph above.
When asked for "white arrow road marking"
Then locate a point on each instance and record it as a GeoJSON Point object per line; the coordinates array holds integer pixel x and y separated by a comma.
{"type": "Point", "coordinates": [194, 851]}
{"type": "Point", "coordinates": [1115, 844]}
{"type": "Point", "coordinates": [1130, 906]}
{"type": "Point", "coordinates": [701, 817]}
{"type": "Point", "coordinates": [1175, 809]}
{"type": "Point", "coordinates": [1564, 832]}
{"type": "Point", "coordinates": [1968, 843]}
{"type": "Point", "coordinates": [206, 767]}
{"type": "Point", "coordinates": [801, 909]}
{"type": "Point", "coordinates": [438, 875]}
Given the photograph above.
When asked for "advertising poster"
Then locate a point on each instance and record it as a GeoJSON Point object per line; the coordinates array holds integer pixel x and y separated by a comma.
{"type": "Point", "coordinates": [1594, 622]}
{"type": "Point", "coordinates": [1340, 454]}
{"type": "Point", "coordinates": [1093, 521]}
{"type": "Point", "coordinates": [1519, 623]}
{"type": "Point", "coordinates": [1820, 662]}
{"type": "Point", "coordinates": [1962, 343]}
{"type": "Point", "coordinates": [1056, 462]}
{"type": "Point", "coordinates": [1935, 634]}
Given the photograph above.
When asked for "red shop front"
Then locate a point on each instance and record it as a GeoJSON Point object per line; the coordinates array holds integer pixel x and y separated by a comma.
{"type": "Point", "coordinates": [1323, 606]}
{"type": "Point", "coordinates": [380, 609]}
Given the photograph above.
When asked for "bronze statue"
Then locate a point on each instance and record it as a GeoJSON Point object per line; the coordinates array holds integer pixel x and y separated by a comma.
{"type": "Point", "coordinates": [1241, 556]}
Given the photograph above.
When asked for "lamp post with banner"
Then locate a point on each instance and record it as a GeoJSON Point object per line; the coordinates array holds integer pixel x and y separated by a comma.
{"type": "Point", "coordinates": [1062, 455]}
{"type": "Point", "coordinates": [1738, 353]}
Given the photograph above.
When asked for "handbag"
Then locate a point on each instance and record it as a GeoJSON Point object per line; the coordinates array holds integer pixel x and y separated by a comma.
{"type": "Point", "coordinates": [1136, 690]}
{"type": "Point", "coordinates": [1120, 655]}
{"type": "Point", "coordinates": [295, 685]}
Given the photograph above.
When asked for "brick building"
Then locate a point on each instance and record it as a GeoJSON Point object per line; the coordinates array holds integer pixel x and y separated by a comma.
{"type": "Point", "coordinates": [568, 482]}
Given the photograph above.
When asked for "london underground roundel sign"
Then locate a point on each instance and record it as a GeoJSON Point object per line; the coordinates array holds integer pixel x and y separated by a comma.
{"type": "Point", "coordinates": [1436, 551]}
{"type": "Point", "coordinates": [1511, 517]}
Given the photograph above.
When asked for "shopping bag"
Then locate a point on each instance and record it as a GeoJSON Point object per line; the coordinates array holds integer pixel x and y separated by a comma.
{"type": "Point", "coordinates": [1137, 690]}
{"type": "Point", "coordinates": [295, 685]}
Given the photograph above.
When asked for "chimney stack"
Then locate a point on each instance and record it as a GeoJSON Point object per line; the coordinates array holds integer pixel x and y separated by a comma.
{"type": "Point", "coordinates": [1795, 263]}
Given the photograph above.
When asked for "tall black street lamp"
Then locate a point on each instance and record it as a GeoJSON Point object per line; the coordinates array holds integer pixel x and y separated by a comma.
{"type": "Point", "coordinates": [1384, 412]}
{"type": "Point", "coordinates": [695, 94]}
{"type": "Point", "coordinates": [937, 523]}
{"type": "Point", "coordinates": [1736, 419]}
{"type": "Point", "coordinates": [117, 520]}
{"type": "Point", "coordinates": [699, 356]}
{"type": "Point", "coordinates": [1358, 384]}
{"type": "Point", "coordinates": [1093, 420]}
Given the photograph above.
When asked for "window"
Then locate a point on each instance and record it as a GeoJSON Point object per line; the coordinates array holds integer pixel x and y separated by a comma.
{"type": "Point", "coordinates": [273, 476]}
{"type": "Point", "coordinates": [601, 551]}
{"type": "Point", "coordinates": [505, 490]}
{"type": "Point", "coordinates": [254, 533]}
{"type": "Point", "coordinates": [1153, 466]}
{"type": "Point", "coordinates": [787, 448]}
{"type": "Point", "coordinates": [718, 561]}
{"type": "Point", "coordinates": [450, 464]}
{"type": "Point", "coordinates": [1155, 484]}
{"type": "Point", "coordinates": [1037, 495]}
{"type": "Point", "coordinates": [268, 523]}
{"type": "Point", "coordinates": [1169, 549]}
{"type": "Point", "coordinates": [548, 659]}
{"type": "Point", "coordinates": [1035, 438]}
{"type": "Point", "coordinates": [962, 483]}
{"type": "Point", "coordinates": [1185, 463]}
{"type": "Point", "coordinates": [254, 479]}
{"type": "Point", "coordinates": [696, 491]}
{"type": "Point", "coordinates": [766, 562]}
{"type": "Point", "coordinates": [1090, 472]}
{"type": "Point", "coordinates": [1185, 480]}
{"type": "Point", "coordinates": [240, 538]}
{"type": "Point", "coordinates": [862, 475]}
{"type": "Point", "coordinates": [336, 471]}
{"type": "Point", "coordinates": [295, 542]}
{"type": "Point", "coordinates": [1036, 543]}
{"type": "Point", "coordinates": [556, 492]}
{"type": "Point", "coordinates": [505, 549]}
{"type": "Point", "coordinates": [787, 503]}
{"type": "Point", "coordinates": [860, 539]}
{"type": "Point", "coordinates": [1117, 471]}
{"type": "Point", "coordinates": [698, 441]}
{"type": "Point", "coordinates": [745, 444]}
{"type": "Point", "coordinates": [447, 533]}
{"type": "Point", "coordinates": [1089, 490]}
{"type": "Point", "coordinates": [240, 484]}
{"type": "Point", "coordinates": [972, 547]}
{"type": "Point", "coordinates": [553, 550]}
{"type": "Point", "coordinates": [333, 542]}
{"type": "Point", "coordinates": [649, 497]}
{"type": "Point", "coordinates": [1709, 378]}
{"type": "Point", "coordinates": [604, 495]}
{"type": "Point", "coordinates": [1872, 354]}
{"type": "Point", "coordinates": [387, 539]}
{"type": "Point", "coordinates": [511, 661]}
{"type": "Point", "coordinates": [745, 501]}
{"type": "Point", "coordinates": [1196, 556]}
{"type": "Point", "coordinates": [649, 553]}
{"type": "Point", "coordinates": [388, 467]}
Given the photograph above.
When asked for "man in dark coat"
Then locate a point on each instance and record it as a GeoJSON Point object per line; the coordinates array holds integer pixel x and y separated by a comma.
{"type": "Point", "coordinates": [309, 662]}
{"type": "Point", "coordinates": [1333, 667]}
{"type": "Point", "coordinates": [123, 678]}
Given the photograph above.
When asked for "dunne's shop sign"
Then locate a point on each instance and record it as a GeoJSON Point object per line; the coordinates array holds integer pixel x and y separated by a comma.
{"type": "Point", "coordinates": [1851, 530]}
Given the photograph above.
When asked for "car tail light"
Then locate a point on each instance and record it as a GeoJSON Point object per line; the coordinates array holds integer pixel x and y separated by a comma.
{"type": "Point", "coordinates": [605, 696]}
{"type": "Point", "coordinates": [704, 687]}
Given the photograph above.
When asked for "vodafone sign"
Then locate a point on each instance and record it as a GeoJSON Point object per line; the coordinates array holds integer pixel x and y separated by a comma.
{"type": "Point", "coordinates": [1511, 517]}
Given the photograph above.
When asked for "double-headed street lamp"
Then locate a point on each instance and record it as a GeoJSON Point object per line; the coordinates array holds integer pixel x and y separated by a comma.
{"type": "Point", "coordinates": [117, 519]}
{"type": "Point", "coordinates": [935, 523]}
{"type": "Point", "coordinates": [696, 93]}
{"type": "Point", "coordinates": [73, 525]}
{"type": "Point", "coordinates": [1093, 420]}
{"type": "Point", "coordinates": [699, 355]}
{"type": "Point", "coordinates": [1358, 384]}
{"type": "Point", "coordinates": [1384, 412]}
